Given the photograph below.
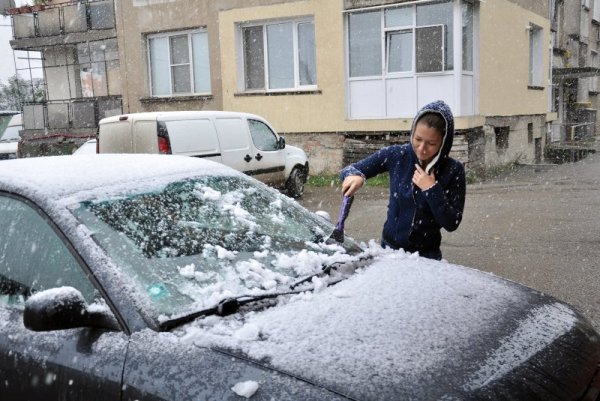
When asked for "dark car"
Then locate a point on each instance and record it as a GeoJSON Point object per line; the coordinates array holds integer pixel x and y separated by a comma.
{"type": "Point", "coordinates": [147, 277]}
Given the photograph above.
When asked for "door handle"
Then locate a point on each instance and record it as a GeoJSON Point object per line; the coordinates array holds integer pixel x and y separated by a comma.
{"type": "Point", "coordinates": [258, 156]}
{"type": "Point", "coordinates": [248, 158]}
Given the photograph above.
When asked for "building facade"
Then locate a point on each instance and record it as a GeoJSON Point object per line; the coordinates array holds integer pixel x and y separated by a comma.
{"type": "Point", "coordinates": [340, 78]}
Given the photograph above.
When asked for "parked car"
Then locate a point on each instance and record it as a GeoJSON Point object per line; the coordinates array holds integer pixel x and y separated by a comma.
{"type": "Point", "coordinates": [174, 278]}
{"type": "Point", "coordinates": [87, 148]}
{"type": "Point", "coordinates": [9, 139]}
{"type": "Point", "coordinates": [246, 142]}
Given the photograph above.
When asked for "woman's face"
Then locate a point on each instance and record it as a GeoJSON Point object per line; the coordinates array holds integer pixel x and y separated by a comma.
{"type": "Point", "coordinates": [426, 142]}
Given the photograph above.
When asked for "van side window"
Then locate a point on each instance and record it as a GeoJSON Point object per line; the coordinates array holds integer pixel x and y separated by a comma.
{"type": "Point", "coordinates": [262, 136]}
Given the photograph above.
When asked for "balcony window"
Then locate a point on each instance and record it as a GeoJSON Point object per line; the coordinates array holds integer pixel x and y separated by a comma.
{"type": "Point", "coordinates": [24, 26]}
{"type": "Point", "coordinates": [179, 63]}
{"type": "Point", "coordinates": [102, 15]}
{"type": "Point", "coordinates": [75, 18]}
{"type": "Point", "coordinates": [49, 22]}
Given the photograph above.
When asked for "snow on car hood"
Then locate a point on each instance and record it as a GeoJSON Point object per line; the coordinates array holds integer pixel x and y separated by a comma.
{"type": "Point", "coordinates": [403, 328]}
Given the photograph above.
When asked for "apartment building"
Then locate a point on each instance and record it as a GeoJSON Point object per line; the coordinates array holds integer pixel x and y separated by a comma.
{"type": "Point", "coordinates": [340, 78]}
{"type": "Point", "coordinates": [575, 28]}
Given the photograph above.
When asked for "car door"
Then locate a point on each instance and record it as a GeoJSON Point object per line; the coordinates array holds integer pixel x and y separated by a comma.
{"type": "Point", "coordinates": [75, 364]}
{"type": "Point", "coordinates": [270, 159]}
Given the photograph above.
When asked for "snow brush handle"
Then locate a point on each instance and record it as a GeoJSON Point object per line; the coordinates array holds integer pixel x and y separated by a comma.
{"type": "Point", "coordinates": [345, 210]}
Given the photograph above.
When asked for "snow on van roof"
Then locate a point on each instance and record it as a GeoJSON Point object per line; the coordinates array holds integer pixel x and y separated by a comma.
{"type": "Point", "coordinates": [56, 177]}
{"type": "Point", "coordinates": [155, 115]}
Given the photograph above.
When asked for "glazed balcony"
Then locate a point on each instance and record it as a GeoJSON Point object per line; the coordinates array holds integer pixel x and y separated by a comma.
{"type": "Point", "coordinates": [63, 23]}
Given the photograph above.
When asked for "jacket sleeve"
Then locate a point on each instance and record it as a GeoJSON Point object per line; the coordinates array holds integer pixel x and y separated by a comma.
{"type": "Point", "coordinates": [370, 166]}
{"type": "Point", "coordinates": [447, 205]}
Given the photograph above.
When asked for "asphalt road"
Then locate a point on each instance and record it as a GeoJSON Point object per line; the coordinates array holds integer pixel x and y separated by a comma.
{"type": "Point", "coordinates": [536, 226]}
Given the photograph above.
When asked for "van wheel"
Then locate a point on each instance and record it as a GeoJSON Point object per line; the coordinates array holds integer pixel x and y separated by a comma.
{"type": "Point", "coordinates": [295, 183]}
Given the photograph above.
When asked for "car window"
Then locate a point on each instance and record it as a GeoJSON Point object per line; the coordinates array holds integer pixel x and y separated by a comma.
{"type": "Point", "coordinates": [262, 136]}
{"type": "Point", "coordinates": [197, 239]}
{"type": "Point", "coordinates": [11, 133]}
{"type": "Point", "coordinates": [33, 257]}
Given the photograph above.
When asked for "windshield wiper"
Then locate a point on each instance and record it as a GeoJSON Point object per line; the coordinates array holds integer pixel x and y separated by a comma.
{"type": "Point", "coordinates": [227, 306]}
{"type": "Point", "coordinates": [326, 270]}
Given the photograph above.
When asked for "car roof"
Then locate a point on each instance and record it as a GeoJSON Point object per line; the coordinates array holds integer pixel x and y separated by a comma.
{"type": "Point", "coordinates": [55, 177]}
{"type": "Point", "coordinates": [168, 115]}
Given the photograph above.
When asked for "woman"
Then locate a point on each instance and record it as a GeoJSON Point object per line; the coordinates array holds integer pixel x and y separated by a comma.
{"type": "Point", "coordinates": [427, 187]}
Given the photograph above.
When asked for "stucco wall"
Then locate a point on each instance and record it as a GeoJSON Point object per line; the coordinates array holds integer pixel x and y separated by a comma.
{"type": "Point", "coordinates": [504, 60]}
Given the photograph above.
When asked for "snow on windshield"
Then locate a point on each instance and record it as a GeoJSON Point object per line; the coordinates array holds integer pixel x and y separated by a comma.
{"type": "Point", "coordinates": [196, 242]}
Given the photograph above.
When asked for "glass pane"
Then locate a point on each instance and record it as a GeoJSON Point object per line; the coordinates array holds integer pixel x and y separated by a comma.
{"type": "Point", "coordinates": [254, 58]}
{"type": "Point", "coordinates": [400, 51]}
{"type": "Point", "coordinates": [262, 136]}
{"type": "Point", "coordinates": [34, 257]}
{"type": "Point", "coordinates": [180, 53]}
{"type": "Point", "coordinates": [49, 22]}
{"type": "Point", "coordinates": [181, 79]}
{"type": "Point", "coordinates": [402, 16]}
{"type": "Point", "coordinates": [307, 66]}
{"type": "Point", "coordinates": [104, 50]}
{"type": "Point", "coordinates": [102, 15]}
{"type": "Point", "coordinates": [108, 107]}
{"type": "Point", "coordinates": [429, 57]}
{"type": "Point", "coordinates": [159, 66]}
{"type": "Point", "coordinates": [201, 63]}
{"type": "Point", "coordinates": [84, 114]}
{"type": "Point", "coordinates": [83, 53]}
{"type": "Point", "coordinates": [99, 79]}
{"type": "Point", "coordinates": [58, 115]}
{"type": "Point", "coordinates": [113, 77]}
{"type": "Point", "coordinates": [467, 37]}
{"type": "Point", "coordinates": [75, 18]}
{"type": "Point", "coordinates": [280, 45]}
{"type": "Point", "coordinates": [365, 44]}
{"type": "Point", "coordinates": [439, 14]}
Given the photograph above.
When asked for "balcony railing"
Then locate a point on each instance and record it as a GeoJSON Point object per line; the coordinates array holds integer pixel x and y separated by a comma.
{"type": "Point", "coordinates": [70, 114]}
{"type": "Point", "coordinates": [65, 19]}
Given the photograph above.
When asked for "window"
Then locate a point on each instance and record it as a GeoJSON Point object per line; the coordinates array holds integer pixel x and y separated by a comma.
{"type": "Point", "coordinates": [262, 136]}
{"type": "Point", "coordinates": [467, 37]}
{"type": "Point", "coordinates": [179, 63]}
{"type": "Point", "coordinates": [279, 55]}
{"type": "Point", "coordinates": [596, 11]}
{"type": "Point", "coordinates": [535, 55]}
{"type": "Point", "coordinates": [529, 132]}
{"type": "Point", "coordinates": [34, 257]}
{"type": "Point", "coordinates": [419, 35]}
{"type": "Point", "coordinates": [99, 68]}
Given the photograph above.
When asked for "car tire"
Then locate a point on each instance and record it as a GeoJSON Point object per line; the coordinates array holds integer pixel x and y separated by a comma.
{"type": "Point", "coordinates": [295, 183]}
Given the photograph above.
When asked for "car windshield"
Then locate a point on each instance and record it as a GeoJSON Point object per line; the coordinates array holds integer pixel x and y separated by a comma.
{"type": "Point", "coordinates": [199, 241]}
{"type": "Point", "coordinates": [11, 133]}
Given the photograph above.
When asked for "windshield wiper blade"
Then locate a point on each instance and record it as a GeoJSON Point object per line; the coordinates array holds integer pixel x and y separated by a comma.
{"type": "Point", "coordinates": [225, 307]}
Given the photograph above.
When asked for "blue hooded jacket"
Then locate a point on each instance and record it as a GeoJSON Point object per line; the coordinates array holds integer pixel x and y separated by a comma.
{"type": "Point", "coordinates": [415, 217]}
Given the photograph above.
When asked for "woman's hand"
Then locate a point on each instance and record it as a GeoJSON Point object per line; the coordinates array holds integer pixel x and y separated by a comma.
{"type": "Point", "coordinates": [423, 180]}
{"type": "Point", "coordinates": [351, 184]}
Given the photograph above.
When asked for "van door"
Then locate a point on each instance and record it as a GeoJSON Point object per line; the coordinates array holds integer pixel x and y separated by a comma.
{"type": "Point", "coordinates": [270, 160]}
{"type": "Point", "coordinates": [194, 137]}
{"type": "Point", "coordinates": [235, 144]}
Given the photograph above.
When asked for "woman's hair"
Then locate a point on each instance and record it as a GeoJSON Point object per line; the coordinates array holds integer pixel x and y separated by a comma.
{"type": "Point", "coordinates": [434, 120]}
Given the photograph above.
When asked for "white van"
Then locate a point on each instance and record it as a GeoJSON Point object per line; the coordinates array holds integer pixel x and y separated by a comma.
{"type": "Point", "coordinates": [9, 139]}
{"type": "Point", "coordinates": [243, 141]}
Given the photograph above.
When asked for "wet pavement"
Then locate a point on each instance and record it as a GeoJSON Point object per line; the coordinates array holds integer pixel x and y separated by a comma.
{"type": "Point", "coordinates": [537, 225]}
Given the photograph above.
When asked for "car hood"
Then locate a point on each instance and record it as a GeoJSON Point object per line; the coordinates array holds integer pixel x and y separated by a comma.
{"type": "Point", "coordinates": [411, 328]}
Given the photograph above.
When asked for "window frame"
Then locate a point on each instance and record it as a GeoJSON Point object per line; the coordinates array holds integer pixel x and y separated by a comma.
{"type": "Point", "coordinates": [191, 65]}
{"type": "Point", "coordinates": [242, 66]}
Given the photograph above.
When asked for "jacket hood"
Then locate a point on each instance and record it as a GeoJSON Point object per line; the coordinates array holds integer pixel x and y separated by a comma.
{"type": "Point", "coordinates": [443, 109]}
{"type": "Point", "coordinates": [410, 328]}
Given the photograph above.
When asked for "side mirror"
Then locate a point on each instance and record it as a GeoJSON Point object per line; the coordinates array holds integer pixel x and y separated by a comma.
{"type": "Point", "coordinates": [64, 308]}
{"type": "Point", "coordinates": [281, 143]}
